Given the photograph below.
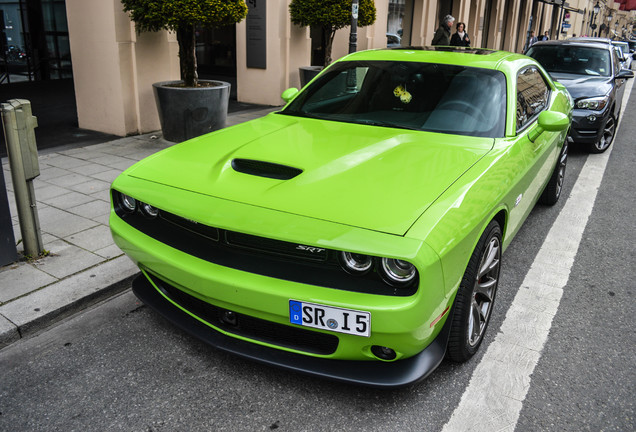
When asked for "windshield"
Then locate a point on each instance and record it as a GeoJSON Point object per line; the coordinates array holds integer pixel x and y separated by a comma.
{"type": "Point", "coordinates": [409, 95]}
{"type": "Point", "coordinates": [572, 59]}
{"type": "Point", "coordinates": [623, 46]}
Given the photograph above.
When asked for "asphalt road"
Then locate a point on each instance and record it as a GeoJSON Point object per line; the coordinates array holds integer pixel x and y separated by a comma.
{"type": "Point", "coordinates": [119, 366]}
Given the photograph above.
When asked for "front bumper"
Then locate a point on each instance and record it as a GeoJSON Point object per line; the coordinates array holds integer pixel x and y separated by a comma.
{"type": "Point", "coordinates": [368, 373]}
{"type": "Point", "coordinates": [410, 325]}
{"type": "Point", "coordinates": [585, 130]}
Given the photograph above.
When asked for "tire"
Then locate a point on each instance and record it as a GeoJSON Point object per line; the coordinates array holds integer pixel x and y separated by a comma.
{"type": "Point", "coordinates": [609, 131]}
{"type": "Point", "coordinates": [553, 189]}
{"type": "Point", "coordinates": [475, 297]}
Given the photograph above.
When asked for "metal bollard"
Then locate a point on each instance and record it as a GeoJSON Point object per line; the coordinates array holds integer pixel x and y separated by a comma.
{"type": "Point", "coordinates": [19, 134]}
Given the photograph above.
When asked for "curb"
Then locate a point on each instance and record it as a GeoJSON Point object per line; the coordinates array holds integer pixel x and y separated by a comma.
{"type": "Point", "coordinates": [35, 312]}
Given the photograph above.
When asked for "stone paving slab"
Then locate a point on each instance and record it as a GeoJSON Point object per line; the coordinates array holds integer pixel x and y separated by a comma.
{"type": "Point", "coordinates": [66, 259]}
{"type": "Point", "coordinates": [61, 223]}
{"type": "Point", "coordinates": [92, 239]}
{"type": "Point", "coordinates": [21, 278]}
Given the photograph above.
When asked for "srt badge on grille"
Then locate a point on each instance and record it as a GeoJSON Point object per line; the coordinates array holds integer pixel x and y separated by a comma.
{"type": "Point", "coordinates": [309, 249]}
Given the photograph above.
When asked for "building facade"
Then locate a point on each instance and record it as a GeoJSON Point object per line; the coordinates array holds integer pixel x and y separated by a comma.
{"type": "Point", "coordinates": [113, 67]}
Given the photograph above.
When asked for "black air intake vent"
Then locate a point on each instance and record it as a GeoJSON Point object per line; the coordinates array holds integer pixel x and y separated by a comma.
{"type": "Point", "coordinates": [265, 169]}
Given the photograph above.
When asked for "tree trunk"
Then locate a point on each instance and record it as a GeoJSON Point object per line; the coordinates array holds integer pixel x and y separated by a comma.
{"type": "Point", "coordinates": [329, 33]}
{"type": "Point", "coordinates": [187, 55]}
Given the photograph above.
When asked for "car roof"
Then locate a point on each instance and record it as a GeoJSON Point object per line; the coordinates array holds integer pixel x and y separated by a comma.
{"type": "Point", "coordinates": [463, 56]}
{"type": "Point", "coordinates": [582, 42]}
{"type": "Point", "coordinates": [592, 39]}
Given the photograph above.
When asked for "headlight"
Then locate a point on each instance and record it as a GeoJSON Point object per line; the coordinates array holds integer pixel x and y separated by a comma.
{"type": "Point", "coordinates": [398, 271]}
{"type": "Point", "coordinates": [149, 210]}
{"type": "Point", "coordinates": [596, 104]}
{"type": "Point", "coordinates": [356, 263]}
{"type": "Point", "coordinates": [128, 203]}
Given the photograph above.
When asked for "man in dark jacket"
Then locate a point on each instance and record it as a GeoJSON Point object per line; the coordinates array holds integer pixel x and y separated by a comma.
{"type": "Point", "coordinates": [443, 33]}
{"type": "Point", "coordinates": [532, 39]}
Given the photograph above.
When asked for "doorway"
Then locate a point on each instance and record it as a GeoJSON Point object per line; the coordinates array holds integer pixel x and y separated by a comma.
{"type": "Point", "coordinates": [216, 55]}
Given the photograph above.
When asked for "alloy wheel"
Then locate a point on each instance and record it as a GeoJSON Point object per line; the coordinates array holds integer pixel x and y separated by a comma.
{"type": "Point", "coordinates": [562, 164]}
{"type": "Point", "coordinates": [608, 134]}
{"type": "Point", "coordinates": [484, 291]}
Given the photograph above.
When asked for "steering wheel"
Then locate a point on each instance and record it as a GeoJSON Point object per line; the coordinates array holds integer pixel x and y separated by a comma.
{"type": "Point", "coordinates": [465, 107]}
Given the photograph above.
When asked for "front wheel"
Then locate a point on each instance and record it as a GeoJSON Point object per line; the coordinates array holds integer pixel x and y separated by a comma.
{"type": "Point", "coordinates": [553, 189]}
{"type": "Point", "coordinates": [609, 130]}
{"type": "Point", "coordinates": [476, 296]}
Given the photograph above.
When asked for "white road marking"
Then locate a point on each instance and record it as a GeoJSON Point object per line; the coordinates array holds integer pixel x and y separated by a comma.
{"type": "Point", "coordinates": [499, 384]}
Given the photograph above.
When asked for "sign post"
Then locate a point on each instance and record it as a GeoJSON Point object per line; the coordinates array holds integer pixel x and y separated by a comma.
{"type": "Point", "coordinates": [353, 36]}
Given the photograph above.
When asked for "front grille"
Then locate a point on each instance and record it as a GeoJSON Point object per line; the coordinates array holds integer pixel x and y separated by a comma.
{"type": "Point", "coordinates": [250, 327]}
{"type": "Point", "coordinates": [192, 226]}
{"type": "Point", "coordinates": [259, 255]}
{"type": "Point", "coordinates": [275, 246]}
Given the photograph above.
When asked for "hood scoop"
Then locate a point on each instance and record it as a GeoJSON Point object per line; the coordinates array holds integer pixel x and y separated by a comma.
{"type": "Point", "coordinates": [265, 169]}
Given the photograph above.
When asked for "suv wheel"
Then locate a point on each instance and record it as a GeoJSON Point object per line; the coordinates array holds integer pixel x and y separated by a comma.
{"type": "Point", "coordinates": [609, 130]}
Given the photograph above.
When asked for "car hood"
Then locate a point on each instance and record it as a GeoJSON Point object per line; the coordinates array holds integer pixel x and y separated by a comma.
{"type": "Point", "coordinates": [371, 177]}
{"type": "Point", "coordinates": [584, 86]}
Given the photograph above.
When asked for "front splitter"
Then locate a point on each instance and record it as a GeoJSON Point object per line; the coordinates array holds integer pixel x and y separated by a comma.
{"type": "Point", "coordinates": [367, 373]}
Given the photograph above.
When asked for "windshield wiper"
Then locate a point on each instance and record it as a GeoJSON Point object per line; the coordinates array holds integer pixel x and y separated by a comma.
{"type": "Point", "coordinates": [301, 114]}
{"type": "Point", "coordinates": [385, 124]}
{"type": "Point", "coordinates": [347, 120]}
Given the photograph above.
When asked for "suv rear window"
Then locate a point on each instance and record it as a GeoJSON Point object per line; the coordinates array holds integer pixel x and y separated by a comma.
{"type": "Point", "coordinates": [572, 59]}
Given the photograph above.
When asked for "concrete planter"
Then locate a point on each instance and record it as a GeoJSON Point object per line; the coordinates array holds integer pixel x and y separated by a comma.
{"type": "Point", "coordinates": [188, 112]}
{"type": "Point", "coordinates": [307, 73]}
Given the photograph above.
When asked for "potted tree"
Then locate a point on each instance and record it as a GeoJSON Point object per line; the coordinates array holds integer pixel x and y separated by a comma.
{"type": "Point", "coordinates": [328, 15]}
{"type": "Point", "coordinates": [190, 107]}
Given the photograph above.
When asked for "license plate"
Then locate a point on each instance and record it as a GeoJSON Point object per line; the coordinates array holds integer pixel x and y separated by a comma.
{"type": "Point", "coordinates": [330, 318]}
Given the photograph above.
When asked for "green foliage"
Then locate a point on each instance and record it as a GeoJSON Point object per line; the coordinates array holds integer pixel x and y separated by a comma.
{"type": "Point", "coordinates": [30, 258]}
{"type": "Point", "coordinates": [332, 14]}
{"type": "Point", "coordinates": [154, 15]}
{"type": "Point", "coordinates": [183, 16]}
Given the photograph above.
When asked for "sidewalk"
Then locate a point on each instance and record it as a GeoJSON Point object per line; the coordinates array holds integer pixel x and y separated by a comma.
{"type": "Point", "coordinates": [84, 265]}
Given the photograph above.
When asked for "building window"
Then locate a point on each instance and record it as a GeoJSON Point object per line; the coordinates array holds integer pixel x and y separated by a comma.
{"type": "Point", "coordinates": [399, 23]}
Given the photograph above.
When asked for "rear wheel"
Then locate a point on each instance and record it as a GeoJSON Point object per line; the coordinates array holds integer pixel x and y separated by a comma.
{"type": "Point", "coordinates": [476, 296]}
{"type": "Point", "coordinates": [552, 191]}
{"type": "Point", "coordinates": [609, 130]}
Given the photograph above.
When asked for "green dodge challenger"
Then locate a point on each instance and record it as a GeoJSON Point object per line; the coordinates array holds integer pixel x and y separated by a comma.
{"type": "Point", "coordinates": [357, 233]}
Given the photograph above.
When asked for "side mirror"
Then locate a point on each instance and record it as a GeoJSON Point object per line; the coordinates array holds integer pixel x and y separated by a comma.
{"type": "Point", "coordinates": [289, 94]}
{"type": "Point", "coordinates": [625, 73]}
{"type": "Point", "coordinates": [551, 121]}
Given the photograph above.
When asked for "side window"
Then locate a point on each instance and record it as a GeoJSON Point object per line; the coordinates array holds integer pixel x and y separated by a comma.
{"type": "Point", "coordinates": [346, 82]}
{"type": "Point", "coordinates": [617, 62]}
{"type": "Point", "coordinates": [532, 95]}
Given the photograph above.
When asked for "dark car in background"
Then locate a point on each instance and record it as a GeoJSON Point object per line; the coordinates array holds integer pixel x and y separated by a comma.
{"type": "Point", "coordinates": [625, 56]}
{"type": "Point", "coordinates": [590, 70]}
